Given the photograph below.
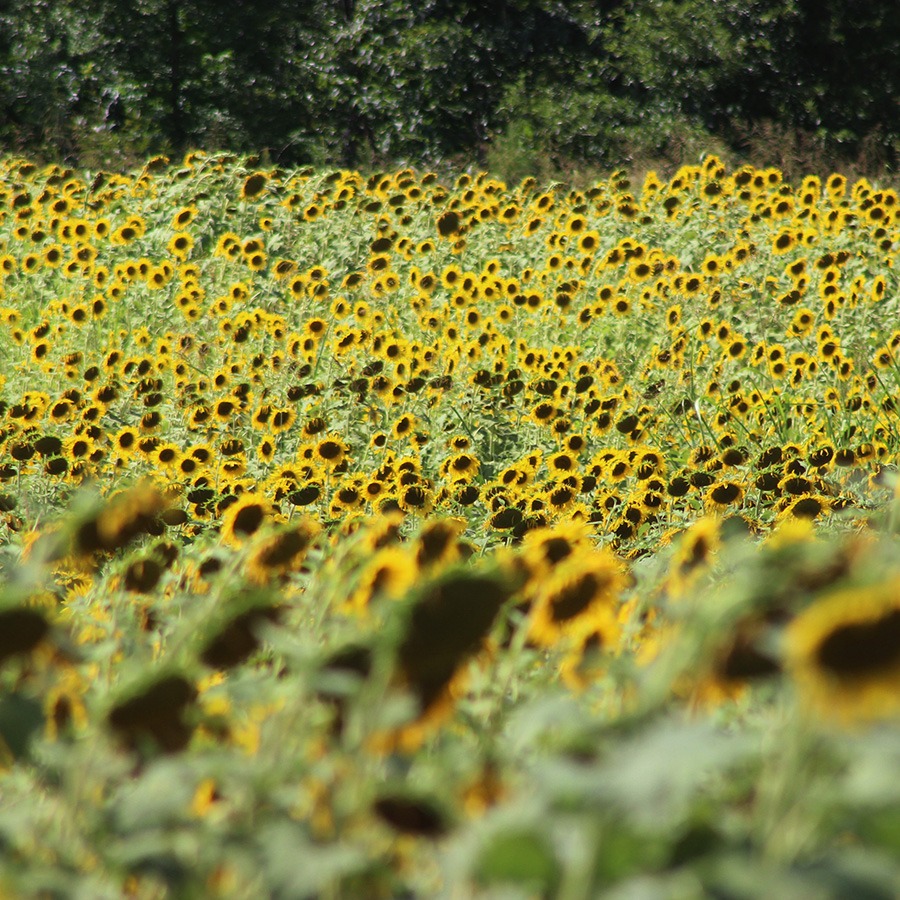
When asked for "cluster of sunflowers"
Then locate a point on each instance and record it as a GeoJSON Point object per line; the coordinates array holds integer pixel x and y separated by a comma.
{"type": "Point", "coordinates": [426, 449]}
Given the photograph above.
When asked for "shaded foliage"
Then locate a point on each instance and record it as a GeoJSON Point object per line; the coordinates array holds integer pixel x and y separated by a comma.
{"type": "Point", "coordinates": [375, 82]}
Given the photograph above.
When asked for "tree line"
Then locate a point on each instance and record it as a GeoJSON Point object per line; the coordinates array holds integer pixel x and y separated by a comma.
{"type": "Point", "coordinates": [510, 83]}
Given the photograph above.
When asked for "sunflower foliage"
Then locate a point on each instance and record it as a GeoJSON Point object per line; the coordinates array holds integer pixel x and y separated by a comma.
{"type": "Point", "coordinates": [384, 536]}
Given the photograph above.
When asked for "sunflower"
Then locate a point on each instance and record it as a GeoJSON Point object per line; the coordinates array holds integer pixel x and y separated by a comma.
{"type": "Point", "coordinates": [582, 585]}
{"type": "Point", "coordinates": [561, 464]}
{"type": "Point", "coordinates": [349, 496]}
{"type": "Point", "coordinates": [725, 494]}
{"type": "Point", "coordinates": [404, 425]}
{"type": "Point", "coordinates": [844, 652]}
{"type": "Point", "coordinates": [697, 547]}
{"type": "Point", "coordinates": [180, 245]}
{"type": "Point", "coordinates": [245, 517]}
{"type": "Point", "coordinates": [330, 452]}
{"type": "Point", "coordinates": [805, 506]}
{"type": "Point", "coordinates": [167, 456]}
{"type": "Point", "coordinates": [544, 413]}
{"type": "Point", "coordinates": [124, 517]}
{"type": "Point", "coordinates": [256, 261]}
{"type": "Point", "coordinates": [836, 186]}
{"type": "Point", "coordinates": [448, 623]}
{"type": "Point", "coordinates": [736, 347]}
{"type": "Point", "coordinates": [461, 467]}
{"type": "Point", "coordinates": [391, 572]}
{"type": "Point", "coordinates": [254, 185]}
{"type": "Point", "coordinates": [544, 549]}
{"type": "Point", "coordinates": [589, 242]}
{"type": "Point", "coordinates": [282, 552]}
{"type": "Point", "coordinates": [560, 497]}
{"type": "Point", "coordinates": [619, 467]}
{"type": "Point", "coordinates": [53, 256]}
{"type": "Point", "coordinates": [415, 499]}
{"type": "Point", "coordinates": [594, 636]}
{"type": "Point", "coordinates": [306, 495]}
{"type": "Point", "coordinates": [266, 448]}
{"type": "Point", "coordinates": [283, 419]}
{"type": "Point", "coordinates": [64, 704]}
{"type": "Point", "coordinates": [783, 241]}
{"type": "Point", "coordinates": [438, 542]}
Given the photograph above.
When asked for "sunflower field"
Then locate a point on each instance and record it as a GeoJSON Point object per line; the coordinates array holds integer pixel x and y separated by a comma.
{"type": "Point", "coordinates": [374, 536]}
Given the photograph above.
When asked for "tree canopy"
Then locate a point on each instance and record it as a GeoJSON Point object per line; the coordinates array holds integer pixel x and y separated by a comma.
{"type": "Point", "coordinates": [377, 82]}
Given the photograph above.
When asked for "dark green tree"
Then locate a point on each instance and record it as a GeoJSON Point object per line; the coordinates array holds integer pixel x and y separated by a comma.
{"type": "Point", "coordinates": [703, 65]}
{"type": "Point", "coordinates": [519, 83]}
{"type": "Point", "coordinates": [849, 63]}
{"type": "Point", "coordinates": [49, 79]}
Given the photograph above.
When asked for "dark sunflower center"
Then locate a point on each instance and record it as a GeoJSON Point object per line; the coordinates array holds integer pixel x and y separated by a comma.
{"type": "Point", "coordinates": [249, 519]}
{"type": "Point", "coordinates": [573, 600]}
{"type": "Point", "coordinates": [556, 549]}
{"type": "Point", "coordinates": [862, 648]}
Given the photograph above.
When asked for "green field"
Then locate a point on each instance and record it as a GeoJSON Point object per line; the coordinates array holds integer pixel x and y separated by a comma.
{"type": "Point", "coordinates": [375, 536]}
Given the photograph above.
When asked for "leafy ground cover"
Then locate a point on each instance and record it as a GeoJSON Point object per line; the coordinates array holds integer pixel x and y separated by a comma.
{"type": "Point", "coordinates": [385, 537]}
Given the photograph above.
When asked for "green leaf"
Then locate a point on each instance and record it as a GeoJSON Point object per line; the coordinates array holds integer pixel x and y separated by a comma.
{"type": "Point", "coordinates": [295, 867]}
{"type": "Point", "coordinates": [524, 857]}
{"type": "Point", "coordinates": [160, 796]}
{"type": "Point", "coordinates": [21, 718]}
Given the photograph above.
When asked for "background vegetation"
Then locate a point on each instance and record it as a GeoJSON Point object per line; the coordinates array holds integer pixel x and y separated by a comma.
{"type": "Point", "coordinates": [520, 86]}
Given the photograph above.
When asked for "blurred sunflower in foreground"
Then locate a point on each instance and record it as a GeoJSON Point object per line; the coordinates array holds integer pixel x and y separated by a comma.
{"type": "Point", "coordinates": [844, 652]}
